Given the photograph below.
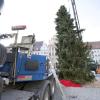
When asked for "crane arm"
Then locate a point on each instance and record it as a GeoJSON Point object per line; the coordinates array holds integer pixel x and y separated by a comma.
{"type": "Point", "coordinates": [3, 36]}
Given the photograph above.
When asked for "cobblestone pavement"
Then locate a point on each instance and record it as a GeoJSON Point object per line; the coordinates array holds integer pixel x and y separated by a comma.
{"type": "Point", "coordinates": [78, 93]}
{"type": "Point", "coordinates": [89, 92]}
{"type": "Point", "coordinates": [82, 93]}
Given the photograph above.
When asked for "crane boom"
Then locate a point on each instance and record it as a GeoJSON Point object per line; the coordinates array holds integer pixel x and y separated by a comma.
{"type": "Point", "coordinates": [75, 15]}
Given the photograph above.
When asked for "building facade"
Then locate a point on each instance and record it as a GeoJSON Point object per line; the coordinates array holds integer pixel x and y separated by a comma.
{"type": "Point", "coordinates": [52, 51]}
{"type": "Point", "coordinates": [40, 48]}
{"type": "Point", "coordinates": [95, 51]}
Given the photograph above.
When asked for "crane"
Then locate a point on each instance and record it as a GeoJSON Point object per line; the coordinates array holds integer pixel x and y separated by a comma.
{"type": "Point", "coordinates": [75, 15]}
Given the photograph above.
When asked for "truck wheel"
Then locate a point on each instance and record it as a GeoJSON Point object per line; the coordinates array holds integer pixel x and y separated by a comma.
{"type": "Point", "coordinates": [47, 94]}
{"type": "Point", "coordinates": [1, 84]}
{"type": "Point", "coordinates": [53, 84]}
{"type": "Point", "coordinates": [52, 87]}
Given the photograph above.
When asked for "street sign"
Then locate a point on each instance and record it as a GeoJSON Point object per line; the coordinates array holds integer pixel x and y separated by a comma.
{"type": "Point", "coordinates": [19, 27]}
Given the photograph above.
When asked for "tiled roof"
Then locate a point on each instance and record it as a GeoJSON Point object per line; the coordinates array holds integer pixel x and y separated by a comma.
{"type": "Point", "coordinates": [94, 45]}
{"type": "Point", "coordinates": [37, 46]}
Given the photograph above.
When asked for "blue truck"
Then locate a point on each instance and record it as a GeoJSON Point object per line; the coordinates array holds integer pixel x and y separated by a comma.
{"type": "Point", "coordinates": [23, 76]}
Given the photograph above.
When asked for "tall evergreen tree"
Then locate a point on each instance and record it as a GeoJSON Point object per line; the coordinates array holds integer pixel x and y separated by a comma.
{"type": "Point", "coordinates": [73, 54]}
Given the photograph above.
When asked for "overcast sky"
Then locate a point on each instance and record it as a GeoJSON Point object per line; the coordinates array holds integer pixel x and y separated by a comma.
{"type": "Point", "coordinates": [39, 17]}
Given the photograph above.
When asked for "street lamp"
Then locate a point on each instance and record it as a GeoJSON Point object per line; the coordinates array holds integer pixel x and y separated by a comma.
{"type": "Point", "coordinates": [17, 28]}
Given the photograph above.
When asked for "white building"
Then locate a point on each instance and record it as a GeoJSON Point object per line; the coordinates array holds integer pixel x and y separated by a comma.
{"type": "Point", "coordinates": [95, 51]}
{"type": "Point", "coordinates": [40, 48]}
{"type": "Point", "coordinates": [52, 50]}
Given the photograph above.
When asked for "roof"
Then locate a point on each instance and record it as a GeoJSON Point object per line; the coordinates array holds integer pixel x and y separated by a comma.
{"type": "Point", "coordinates": [37, 46]}
{"type": "Point", "coordinates": [94, 45]}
